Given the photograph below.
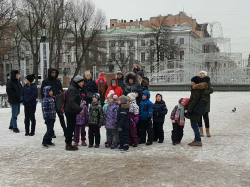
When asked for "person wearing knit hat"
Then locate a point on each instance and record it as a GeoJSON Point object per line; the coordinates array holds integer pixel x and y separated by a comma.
{"type": "Point", "coordinates": [208, 92]}
{"type": "Point", "coordinates": [77, 79]}
{"type": "Point", "coordinates": [133, 120]}
{"type": "Point", "coordinates": [123, 122]}
{"type": "Point", "coordinates": [102, 88]}
{"type": "Point", "coordinates": [87, 74]}
{"type": "Point", "coordinates": [120, 79]}
{"type": "Point", "coordinates": [29, 96]}
{"type": "Point", "coordinates": [30, 78]}
{"type": "Point", "coordinates": [97, 96]}
{"type": "Point", "coordinates": [114, 97]}
{"type": "Point", "coordinates": [160, 110]}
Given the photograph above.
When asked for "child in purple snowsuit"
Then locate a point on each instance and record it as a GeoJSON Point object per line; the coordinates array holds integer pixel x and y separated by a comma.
{"type": "Point", "coordinates": [81, 122]}
{"type": "Point", "coordinates": [110, 122]}
{"type": "Point", "coordinates": [133, 120]}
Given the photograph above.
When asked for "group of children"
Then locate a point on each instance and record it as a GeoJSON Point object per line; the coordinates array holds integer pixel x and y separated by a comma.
{"type": "Point", "coordinates": [128, 120]}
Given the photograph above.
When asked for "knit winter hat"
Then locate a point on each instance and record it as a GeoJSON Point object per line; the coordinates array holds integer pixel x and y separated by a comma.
{"type": "Point", "coordinates": [195, 79]}
{"type": "Point", "coordinates": [30, 78]}
{"type": "Point", "coordinates": [204, 72]}
{"type": "Point", "coordinates": [114, 96]}
{"type": "Point", "coordinates": [119, 72]}
{"type": "Point", "coordinates": [96, 95]}
{"type": "Point", "coordinates": [78, 79]}
{"type": "Point", "coordinates": [83, 95]}
{"type": "Point", "coordinates": [113, 81]}
{"type": "Point", "coordinates": [140, 73]}
{"type": "Point", "coordinates": [187, 100]}
{"type": "Point", "coordinates": [132, 96]}
{"type": "Point", "coordinates": [87, 73]}
{"type": "Point", "coordinates": [123, 99]}
{"type": "Point", "coordinates": [101, 77]}
{"type": "Point", "coordinates": [110, 93]}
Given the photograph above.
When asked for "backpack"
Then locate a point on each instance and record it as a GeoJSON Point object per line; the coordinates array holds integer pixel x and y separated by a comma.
{"type": "Point", "coordinates": [60, 102]}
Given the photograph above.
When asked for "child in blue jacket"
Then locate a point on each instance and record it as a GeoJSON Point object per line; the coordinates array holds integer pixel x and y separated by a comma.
{"type": "Point", "coordinates": [49, 115]}
{"type": "Point", "coordinates": [145, 122]}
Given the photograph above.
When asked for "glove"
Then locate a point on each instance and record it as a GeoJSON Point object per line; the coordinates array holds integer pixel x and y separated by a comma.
{"type": "Point", "coordinates": [119, 129]}
{"type": "Point", "coordinates": [173, 121]}
{"type": "Point", "coordinates": [134, 124]}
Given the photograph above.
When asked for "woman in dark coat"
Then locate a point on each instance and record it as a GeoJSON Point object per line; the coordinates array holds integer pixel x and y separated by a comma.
{"type": "Point", "coordinates": [131, 83]}
{"type": "Point", "coordinates": [29, 96]}
{"type": "Point", "coordinates": [14, 89]}
{"type": "Point", "coordinates": [89, 88]}
{"type": "Point", "coordinates": [72, 107]}
{"type": "Point", "coordinates": [197, 92]}
{"type": "Point", "coordinates": [208, 92]}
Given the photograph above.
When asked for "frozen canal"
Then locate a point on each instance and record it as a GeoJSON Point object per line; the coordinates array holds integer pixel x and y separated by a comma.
{"type": "Point", "coordinates": [224, 159]}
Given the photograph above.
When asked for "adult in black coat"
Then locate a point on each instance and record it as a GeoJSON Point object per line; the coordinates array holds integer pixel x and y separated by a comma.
{"type": "Point", "coordinates": [89, 88]}
{"type": "Point", "coordinates": [72, 107]}
{"type": "Point", "coordinates": [56, 86]}
{"type": "Point", "coordinates": [29, 96]}
{"type": "Point", "coordinates": [120, 79]}
{"type": "Point", "coordinates": [143, 80]}
{"type": "Point", "coordinates": [14, 89]}
{"type": "Point", "coordinates": [131, 83]}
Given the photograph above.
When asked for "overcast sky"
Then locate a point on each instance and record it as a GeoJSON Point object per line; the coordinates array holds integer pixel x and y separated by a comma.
{"type": "Point", "coordinates": [234, 15]}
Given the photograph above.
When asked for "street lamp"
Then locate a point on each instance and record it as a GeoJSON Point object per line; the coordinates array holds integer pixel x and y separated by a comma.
{"type": "Point", "coordinates": [44, 33]}
{"type": "Point", "coordinates": [44, 54]}
{"type": "Point", "coordinates": [22, 68]}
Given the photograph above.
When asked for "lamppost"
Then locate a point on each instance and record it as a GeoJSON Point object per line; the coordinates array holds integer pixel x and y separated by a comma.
{"type": "Point", "coordinates": [44, 54]}
{"type": "Point", "coordinates": [22, 68]}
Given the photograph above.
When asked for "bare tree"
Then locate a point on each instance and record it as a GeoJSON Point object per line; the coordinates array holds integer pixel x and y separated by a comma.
{"type": "Point", "coordinates": [161, 41]}
{"type": "Point", "coordinates": [86, 25]}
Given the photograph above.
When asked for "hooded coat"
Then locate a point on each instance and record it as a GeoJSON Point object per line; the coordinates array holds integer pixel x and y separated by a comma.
{"type": "Point", "coordinates": [48, 105]}
{"type": "Point", "coordinates": [73, 99]}
{"type": "Point", "coordinates": [96, 116]}
{"type": "Point", "coordinates": [29, 95]}
{"type": "Point", "coordinates": [131, 87]}
{"type": "Point", "coordinates": [197, 92]}
{"type": "Point", "coordinates": [111, 115]}
{"type": "Point", "coordinates": [14, 88]}
{"type": "Point", "coordinates": [82, 119]}
{"type": "Point", "coordinates": [118, 90]}
{"type": "Point", "coordinates": [123, 116]}
{"type": "Point", "coordinates": [160, 110]}
{"type": "Point", "coordinates": [146, 107]}
{"type": "Point", "coordinates": [54, 82]}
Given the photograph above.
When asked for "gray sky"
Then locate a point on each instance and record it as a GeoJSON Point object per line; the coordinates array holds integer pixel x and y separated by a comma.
{"type": "Point", "coordinates": [234, 15]}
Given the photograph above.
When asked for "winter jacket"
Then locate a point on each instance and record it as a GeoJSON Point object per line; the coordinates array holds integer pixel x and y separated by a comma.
{"type": "Point", "coordinates": [123, 116]}
{"type": "Point", "coordinates": [102, 96]}
{"type": "Point", "coordinates": [172, 116]}
{"type": "Point", "coordinates": [89, 86]}
{"type": "Point", "coordinates": [82, 119]}
{"type": "Point", "coordinates": [106, 104]}
{"type": "Point", "coordinates": [146, 107]}
{"type": "Point", "coordinates": [160, 110]}
{"type": "Point", "coordinates": [73, 99]}
{"type": "Point", "coordinates": [207, 94]}
{"type": "Point", "coordinates": [48, 105]}
{"type": "Point", "coordinates": [121, 82]}
{"type": "Point", "coordinates": [197, 93]}
{"type": "Point", "coordinates": [131, 87]}
{"type": "Point", "coordinates": [14, 89]}
{"type": "Point", "coordinates": [111, 115]}
{"type": "Point", "coordinates": [118, 90]}
{"type": "Point", "coordinates": [136, 69]}
{"type": "Point", "coordinates": [29, 95]}
{"type": "Point", "coordinates": [54, 82]}
{"type": "Point", "coordinates": [133, 113]}
{"type": "Point", "coordinates": [96, 116]}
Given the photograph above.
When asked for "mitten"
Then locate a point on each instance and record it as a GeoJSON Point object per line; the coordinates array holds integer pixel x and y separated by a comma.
{"type": "Point", "coordinates": [173, 121]}
{"type": "Point", "coordinates": [119, 129]}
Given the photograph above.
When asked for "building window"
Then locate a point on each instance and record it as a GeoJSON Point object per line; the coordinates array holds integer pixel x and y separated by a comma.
{"type": "Point", "coordinates": [127, 27]}
{"type": "Point", "coordinates": [152, 42]}
{"type": "Point", "coordinates": [113, 56]}
{"type": "Point", "coordinates": [112, 43]}
{"type": "Point", "coordinates": [161, 56]}
{"type": "Point", "coordinates": [181, 55]}
{"type": "Point", "coordinates": [182, 41]}
{"type": "Point", "coordinates": [143, 57]}
{"type": "Point", "coordinates": [152, 56]}
{"type": "Point", "coordinates": [69, 58]}
{"type": "Point", "coordinates": [131, 43]}
{"type": "Point", "coordinates": [121, 43]}
{"type": "Point", "coordinates": [122, 56]}
{"type": "Point", "coordinates": [143, 43]}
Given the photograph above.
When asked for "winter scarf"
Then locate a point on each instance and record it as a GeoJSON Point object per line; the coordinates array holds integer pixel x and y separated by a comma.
{"type": "Point", "coordinates": [179, 115]}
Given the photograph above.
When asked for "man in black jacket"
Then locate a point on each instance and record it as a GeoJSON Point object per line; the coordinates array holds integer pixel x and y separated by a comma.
{"type": "Point", "coordinates": [120, 79]}
{"type": "Point", "coordinates": [56, 86]}
{"type": "Point", "coordinates": [14, 90]}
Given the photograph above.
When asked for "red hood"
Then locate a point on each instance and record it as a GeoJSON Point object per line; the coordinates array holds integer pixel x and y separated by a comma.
{"type": "Point", "coordinates": [116, 83]}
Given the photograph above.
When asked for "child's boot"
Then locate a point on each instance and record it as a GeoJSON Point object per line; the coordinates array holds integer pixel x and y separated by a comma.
{"type": "Point", "coordinates": [201, 131]}
{"type": "Point", "coordinates": [96, 146]}
{"type": "Point", "coordinates": [107, 145]}
{"type": "Point", "coordinates": [84, 143]}
{"type": "Point", "coordinates": [76, 144]}
{"type": "Point", "coordinates": [113, 146]}
{"type": "Point", "coordinates": [208, 133]}
{"type": "Point", "coordinates": [70, 147]}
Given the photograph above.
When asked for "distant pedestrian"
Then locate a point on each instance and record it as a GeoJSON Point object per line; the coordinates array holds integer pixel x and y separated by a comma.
{"type": "Point", "coordinates": [136, 68]}
{"type": "Point", "coordinates": [120, 79]}
{"type": "Point", "coordinates": [89, 88]}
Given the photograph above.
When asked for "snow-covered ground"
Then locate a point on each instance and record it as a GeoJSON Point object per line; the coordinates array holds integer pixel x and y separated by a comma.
{"type": "Point", "coordinates": [224, 159]}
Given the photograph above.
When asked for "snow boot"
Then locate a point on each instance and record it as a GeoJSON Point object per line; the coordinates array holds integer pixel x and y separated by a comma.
{"type": "Point", "coordinates": [11, 127]}
{"type": "Point", "coordinates": [135, 145]}
{"type": "Point", "coordinates": [53, 136]}
{"type": "Point", "coordinates": [201, 131]}
{"type": "Point", "coordinates": [175, 143]}
{"type": "Point", "coordinates": [32, 134]}
{"type": "Point", "coordinates": [208, 133]}
{"type": "Point", "coordinates": [51, 144]}
{"type": "Point", "coordinates": [107, 145]}
{"type": "Point", "coordinates": [113, 146]}
{"type": "Point", "coordinates": [149, 143]}
{"type": "Point", "coordinates": [90, 145]}
{"type": "Point", "coordinates": [27, 134]}
{"type": "Point", "coordinates": [16, 130]}
{"type": "Point", "coordinates": [96, 146]}
{"type": "Point", "coordinates": [70, 147]}
{"type": "Point", "coordinates": [191, 142]}
{"type": "Point", "coordinates": [160, 141]}
{"type": "Point", "coordinates": [195, 143]}
{"type": "Point", "coordinates": [45, 146]}
{"type": "Point", "coordinates": [84, 143]}
{"type": "Point", "coordinates": [76, 144]}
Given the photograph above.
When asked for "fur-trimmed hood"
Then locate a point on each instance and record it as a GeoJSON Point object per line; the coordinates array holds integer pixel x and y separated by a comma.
{"type": "Point", "coordinates": [126, 106]}
{"type": "Point", "coordinates": [132, 76]}
{"type": "Point", "coordinates": [200, 86]}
